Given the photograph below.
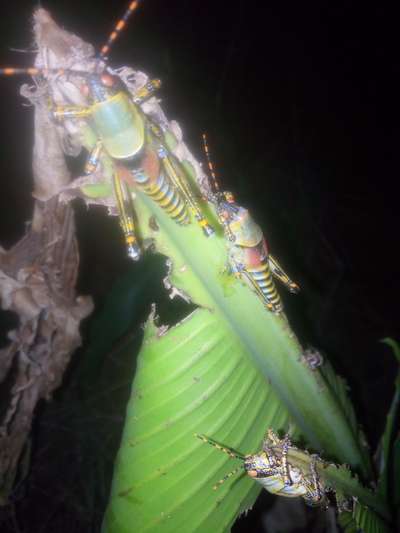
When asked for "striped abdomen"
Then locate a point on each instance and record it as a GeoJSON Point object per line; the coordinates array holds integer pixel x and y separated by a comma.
{"type": "Point", "coordinates": [262, 277]}
{"type": "Point", "coordinates": [165, 195]}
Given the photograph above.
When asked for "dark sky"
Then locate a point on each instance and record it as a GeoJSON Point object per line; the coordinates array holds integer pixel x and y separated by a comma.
{"type": "Point", "coordinates": [301, 104]}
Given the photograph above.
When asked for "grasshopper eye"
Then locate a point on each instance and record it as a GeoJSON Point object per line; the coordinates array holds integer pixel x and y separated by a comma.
{"type": "Point", "coordinates": [107, 80]}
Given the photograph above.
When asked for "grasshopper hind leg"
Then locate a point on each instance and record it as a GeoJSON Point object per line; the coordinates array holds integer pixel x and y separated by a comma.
{"type": "Point", "coordinates": [280, 274]}
{"type": "Point", "coordinates": [126, 217]}
{"type": "Point", "coordinates": [176, 176]}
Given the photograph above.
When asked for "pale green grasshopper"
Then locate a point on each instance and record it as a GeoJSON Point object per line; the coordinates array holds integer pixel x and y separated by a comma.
{"type": "Point", "coordinates": [127, 136]}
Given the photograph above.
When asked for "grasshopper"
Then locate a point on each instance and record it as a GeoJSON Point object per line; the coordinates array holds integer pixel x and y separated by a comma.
{"type": "Point", "coordinates": [125, 134]}
{"type": "Point", "coordinates": [272, 468]}
{"type": "Point", "coordinates": [247, 248]}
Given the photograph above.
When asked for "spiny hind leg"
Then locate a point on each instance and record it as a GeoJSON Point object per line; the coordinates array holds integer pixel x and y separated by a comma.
{"type": "Point", "coordinates": [271, 441]}
{"type": "Point", "coordinates": [280, 274]}
{"type": "Point", "coordinates": [126, 216]}
{"type": "Point", "coordinates": [285, 465]}
{"type": "Point", "coordinates": [315, 494]}
{"type": "Point", "coordinates": [181, 184]}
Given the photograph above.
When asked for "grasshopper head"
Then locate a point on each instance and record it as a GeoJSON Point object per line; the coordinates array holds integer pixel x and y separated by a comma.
{"type": "Point", "coordinates": [100, 87]}
{"type": "Point", "coordinates": [258, 465]}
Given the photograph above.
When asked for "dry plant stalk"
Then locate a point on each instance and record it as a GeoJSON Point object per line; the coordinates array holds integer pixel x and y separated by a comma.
{"type": "Point", "coordinates": [38, 274]}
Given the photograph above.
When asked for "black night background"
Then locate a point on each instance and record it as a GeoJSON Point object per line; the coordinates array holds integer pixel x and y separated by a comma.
{"type": "Point", "coordinates": [300, 101]}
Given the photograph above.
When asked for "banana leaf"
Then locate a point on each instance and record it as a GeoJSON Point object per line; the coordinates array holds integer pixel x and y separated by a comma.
{"type": "Point", "coordinates": [229, 370]}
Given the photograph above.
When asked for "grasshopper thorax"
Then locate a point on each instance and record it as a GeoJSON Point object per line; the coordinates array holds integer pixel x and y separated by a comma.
{"type": "Point", "coordinates": [101, 87]}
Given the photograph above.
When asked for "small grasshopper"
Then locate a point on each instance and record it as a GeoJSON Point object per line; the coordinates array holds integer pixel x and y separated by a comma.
{"type": "Point", "coordinates": [127, 135]}
{"type": "Point", "coordinates": [271, 467]}
{"type": "Point", "coordinates": [248, 251]}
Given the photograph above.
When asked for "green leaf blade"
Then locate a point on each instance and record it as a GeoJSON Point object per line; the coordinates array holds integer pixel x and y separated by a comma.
{"type": "Point", "coordinates": [367, 521]}
{"type": "Point", "coordinates": [164, 476]}
{"type": "Point", "coordinates": [229, 371]}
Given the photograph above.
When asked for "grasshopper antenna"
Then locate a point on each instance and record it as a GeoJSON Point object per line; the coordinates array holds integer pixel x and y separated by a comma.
{"type": "Point", "coordinates": [120, 25]}
{"type": "Point", "coordinates": [230, 474]}
{"type": "Point", "coordinates": [34, 71]}
{"type": "Point", "coordinates": [229, 451]}
{"type": "Point", "coordinates": [210, 164]}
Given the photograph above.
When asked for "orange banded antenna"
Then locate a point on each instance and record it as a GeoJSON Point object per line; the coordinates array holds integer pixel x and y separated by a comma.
{"type": "Point", "coordinates": [209, 162]}
{"type": "Point", "coordinates": [34, 71]}
{"type": "Point", "coordinates": [11, 71]}
{"type": "Point", "coordinates": [120, 25]}
{"type": "Point", "coordinates": [229, 451]}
